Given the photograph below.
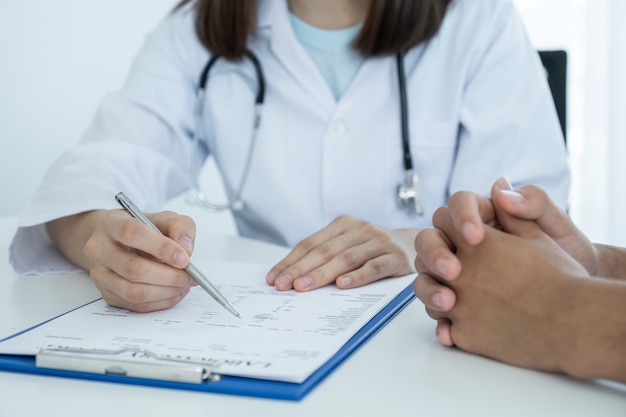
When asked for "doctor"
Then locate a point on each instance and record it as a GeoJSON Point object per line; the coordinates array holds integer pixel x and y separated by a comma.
{"type": "Point", "coordinates": [365, 105]}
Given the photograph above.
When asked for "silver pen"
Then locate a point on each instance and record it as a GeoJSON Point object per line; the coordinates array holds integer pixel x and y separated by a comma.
{"type": "Point", "coordinates": [194, 272]}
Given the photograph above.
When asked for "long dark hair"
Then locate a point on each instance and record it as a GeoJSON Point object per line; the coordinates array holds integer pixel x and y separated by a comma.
{"type": "Point", "coordinates": [391, 26]}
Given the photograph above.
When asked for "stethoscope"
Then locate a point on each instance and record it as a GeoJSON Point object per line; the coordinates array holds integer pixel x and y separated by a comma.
{"type": "Point", "coordinates": [407, 192]}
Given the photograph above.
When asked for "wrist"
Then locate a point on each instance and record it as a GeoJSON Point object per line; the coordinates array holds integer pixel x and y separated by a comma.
{"type": "Point", "coordinates": [593, 329]}
{"type": "Point", "coordinates": [69, 234]}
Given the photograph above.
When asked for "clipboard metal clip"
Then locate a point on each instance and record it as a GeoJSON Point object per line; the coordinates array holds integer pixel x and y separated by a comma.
{"type": "Point", "coordinates": [130, 362]}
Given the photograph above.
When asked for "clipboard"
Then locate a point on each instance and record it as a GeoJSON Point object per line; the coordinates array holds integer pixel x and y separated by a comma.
{"type": "Point", "coordinates": [213, 382]}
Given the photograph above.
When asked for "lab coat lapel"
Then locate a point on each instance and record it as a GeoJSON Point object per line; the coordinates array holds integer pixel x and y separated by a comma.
{"type": "Point", "coordinates": [292, 55]}
{"type": "Point", "coordinates": [368, 85]}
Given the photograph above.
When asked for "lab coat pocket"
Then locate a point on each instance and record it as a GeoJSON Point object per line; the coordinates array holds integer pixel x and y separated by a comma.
{"type": "Point", "coordinates": [432, 134]}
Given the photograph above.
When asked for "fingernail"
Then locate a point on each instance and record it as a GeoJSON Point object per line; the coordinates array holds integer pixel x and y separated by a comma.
{"type": "Point", "coordinates": [504, 183]}
{"type": "Point", "coordinates": [344, 282]}
{"type": "Point", "coordinates": [468, 229]}
{"type": "Point", "coordinates": [186, 243]}
{"type": "Point", "coordinates": [304, 283]}
{"type": "Point", "coordinates": [513, 195]}
{"type": "Point", "coordinates": [435, 299]}
{"type": "Point", "coordinates": [283, 281]}
{"type": "Point", "coordinates": [271, 277]}
{"type": "Point", "coordinates": [441, 266]}
{"type": "Point", "coordinates": [180, 259]}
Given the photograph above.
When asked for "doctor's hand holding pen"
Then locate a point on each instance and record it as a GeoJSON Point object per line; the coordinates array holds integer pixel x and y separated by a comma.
{"type": "Point", "coordinates": [133, 266]}
{"type": "Point", "coordinates": [512, 278]}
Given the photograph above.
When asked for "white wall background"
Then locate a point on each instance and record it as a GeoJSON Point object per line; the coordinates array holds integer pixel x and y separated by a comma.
{"type": "Point", "coordinates": [59, 58]}
{"type": "Point", "coordinates": [594, 34]}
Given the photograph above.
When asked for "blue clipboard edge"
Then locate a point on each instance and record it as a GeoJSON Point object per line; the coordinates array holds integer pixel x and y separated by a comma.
{"type": "Point", "coordinates": [228, 384]}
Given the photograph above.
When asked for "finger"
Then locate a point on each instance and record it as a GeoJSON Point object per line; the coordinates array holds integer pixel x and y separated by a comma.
{"type": "Point", "coordinates": [443, 329]}
{"type": "Point", "coordinates": [433, 294]}
{"type": "Point", "coordinates": [516, 226]}
{"type": "Point", "coordinates": [135, 267]}
{"type": "Point", "coordinates": [444, 332]}
{"type": "Point", "coordinates": [436, 314]}
{"type": "Point", "coordinates": [132, 233]}
{"type": "Point", "coordinates": [442, 220]}
{"type": "Point", "coordinates": [355, 266]}
{"type": "Point", "coordinates": [316, 262]}
{"type": "Point", "coordinates": [533, 203]}
{"type": "Point", "coordinates": [115, 300]}
{"type": "Point", "coordinates": [501, 183]}
{"type": "Point", "coordinates": [132, 295]}
{"type": "Point", "coordinates": [389, 265]}
{"type": "Point", "coordinates": [469, 212]}
{"type": "Point", "coordinates": [179, 228]}
{"type": "Point", "coordinates": [301, 250]}
{"type": "Point", "coordinates": [435, 253]}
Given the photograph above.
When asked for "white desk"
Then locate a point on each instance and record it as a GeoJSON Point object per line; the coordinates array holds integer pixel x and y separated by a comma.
{"type": "Point", "coordinates": [401, 371]}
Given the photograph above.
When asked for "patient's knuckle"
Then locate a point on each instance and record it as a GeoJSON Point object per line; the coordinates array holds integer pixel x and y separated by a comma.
{"type": "Point", "coordinates": [440, 215]}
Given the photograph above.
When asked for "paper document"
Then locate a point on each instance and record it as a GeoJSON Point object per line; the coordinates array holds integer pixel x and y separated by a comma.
{"type": "Point", "coordinates": [283, 336]}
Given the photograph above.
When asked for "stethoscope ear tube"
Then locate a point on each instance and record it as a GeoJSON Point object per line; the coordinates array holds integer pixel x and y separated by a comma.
{"type": "Point", "coordinates": [260, 93]}
{"type": "Point", "coordinates": [197, 197]}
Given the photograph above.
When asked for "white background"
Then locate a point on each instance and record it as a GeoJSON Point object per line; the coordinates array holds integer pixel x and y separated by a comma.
{"type": "Point", "coordinates": [59, 58]}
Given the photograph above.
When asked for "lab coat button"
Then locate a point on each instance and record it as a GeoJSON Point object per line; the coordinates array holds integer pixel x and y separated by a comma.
{"type": "Point", "coordinates": [337, 129]}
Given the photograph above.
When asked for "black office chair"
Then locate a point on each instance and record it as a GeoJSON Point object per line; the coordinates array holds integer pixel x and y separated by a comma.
{"type": "Point", "coordinates": [555, 63]}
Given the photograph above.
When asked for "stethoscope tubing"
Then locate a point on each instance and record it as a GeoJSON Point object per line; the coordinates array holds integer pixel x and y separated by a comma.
{"type": "Point", "coordinates": [407, 192]}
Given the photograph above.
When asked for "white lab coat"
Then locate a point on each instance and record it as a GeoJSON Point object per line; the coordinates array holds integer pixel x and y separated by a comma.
{"type": "Point", "coordinates": [479, 108]}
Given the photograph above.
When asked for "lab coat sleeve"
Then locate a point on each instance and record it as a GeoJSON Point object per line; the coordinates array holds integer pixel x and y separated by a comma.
{"type": "Point", "coordinates": [508, 123]}
{"type": "Point", "coordinates": [138, 142]}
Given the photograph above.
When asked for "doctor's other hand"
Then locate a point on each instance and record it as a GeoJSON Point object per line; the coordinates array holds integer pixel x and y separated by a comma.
{"type": "Point", "coordinates": [349, 252]}
{"type": "Point", "coordinates": [133, 266]}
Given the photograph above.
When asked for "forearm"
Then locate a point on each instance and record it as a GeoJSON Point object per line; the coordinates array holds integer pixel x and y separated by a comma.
{"type": "Point", "coordinates": [612, 261]}
{"type": "Point", "coordinates": [597, 329]}
{"type": "Point", "coordinates": [69, 234]}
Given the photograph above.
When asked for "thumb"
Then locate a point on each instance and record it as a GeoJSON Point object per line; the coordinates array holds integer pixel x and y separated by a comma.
{"type": "Point", "coordinates": [533, 203]}
{"type": "Point", "coordinates": [515, 225]}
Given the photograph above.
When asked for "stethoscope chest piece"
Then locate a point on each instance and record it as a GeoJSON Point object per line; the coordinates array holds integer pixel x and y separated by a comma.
{"type": "Point", "coordinates": [408, 193]}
